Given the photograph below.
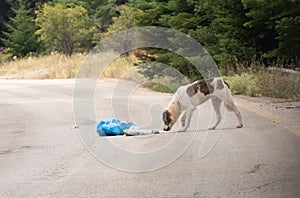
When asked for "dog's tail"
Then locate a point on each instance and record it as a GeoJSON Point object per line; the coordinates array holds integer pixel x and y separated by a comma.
{"type": "Point", "coordinates": [226, 84]}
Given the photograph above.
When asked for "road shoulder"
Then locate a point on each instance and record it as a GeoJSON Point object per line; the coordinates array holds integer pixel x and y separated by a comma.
{"type": "Point", "coordinates": [281, 112]}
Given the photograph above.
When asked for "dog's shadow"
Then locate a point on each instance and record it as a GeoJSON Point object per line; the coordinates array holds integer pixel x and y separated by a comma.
{"type": "Point", "coordinates": [202, 130]}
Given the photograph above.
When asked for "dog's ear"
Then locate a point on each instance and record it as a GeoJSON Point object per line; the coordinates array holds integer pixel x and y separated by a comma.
{"type": "Point", "coordinates": [192, 89]}
{"type": "Point", "coordinates": [166, 117]}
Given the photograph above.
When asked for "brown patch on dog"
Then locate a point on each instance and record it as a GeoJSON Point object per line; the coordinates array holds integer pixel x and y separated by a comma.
{"type": "Point", "coordinates": [192, 89]}
{"type": "Point", "coordinates": [219, 84]}
{"type": "Point", "coordinates": [167, 117]}
{"type": "Point", "coordinates": [205, 86]}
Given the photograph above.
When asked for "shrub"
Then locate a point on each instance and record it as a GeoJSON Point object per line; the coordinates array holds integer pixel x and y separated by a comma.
{"type": "Point", "coordinates": [262, 82]}
{"type": "Point", "coordinates": [244, 84]}
{"type": "Point", "coordinates": [279, 84]}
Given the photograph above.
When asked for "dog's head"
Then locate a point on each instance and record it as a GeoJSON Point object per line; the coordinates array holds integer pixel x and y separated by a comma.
{"type": "Point", "coordinates": [168, 121]}
{"type": "Point", "coordinates": [171, 113]}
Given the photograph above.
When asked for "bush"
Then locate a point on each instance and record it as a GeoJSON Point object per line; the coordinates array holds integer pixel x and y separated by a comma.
{"type": "Point", "coordinates": [158, 87]}
{"type": "Point", "coordinates": [279, 84]}
{"type": "Point", "coordinates": [276, 84]}
{"type": "Point", "coordinates": [244, 84]}
{"type": "Point", "coordinates": [5, 57]}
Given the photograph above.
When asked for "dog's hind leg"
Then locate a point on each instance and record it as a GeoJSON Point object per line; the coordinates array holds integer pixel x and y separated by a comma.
{"type": "Point", "coordinates": [216, 102]}
{"type": "Point", "coordinates": [229, 104]}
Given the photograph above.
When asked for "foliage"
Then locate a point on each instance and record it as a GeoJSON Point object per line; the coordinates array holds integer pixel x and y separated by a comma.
{"type": "Point", "coordinates": [64, 27]}
{"type": "Point", "coordinates": [101, 12]}
{"type": "Point", "coordinates": [4, 17]}
{"type": "Point", "coordinates": [221, 30]}
{"type": "Point", "coordinates": [156, 14]}
{"type": "Point", "coordinates": [19, 37]}
{"type": "Point", "coordinates": [258, 81]}
{"type": "Point", "coordinates": [158, 87]}
{"type": "Point", "coordinates": [50, 66]}
{"type": "Point", "coordinates": [288, 29]}
{"type": "Point", "coordinates": [244, 83]}
{"type": "Point", "coordinates": [124, 21]}
{"type": "Point", "coordinates": [274, 26]}
{"type": "Point", "coordinates": [230, 30]}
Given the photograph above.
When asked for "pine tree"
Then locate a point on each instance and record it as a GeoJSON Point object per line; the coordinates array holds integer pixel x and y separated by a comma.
{"type": "Point", "coordinates": [4, 10]}
{"type": "Point", "coordinates": [20, 38]}
{"type": "Point", "coordinates": [275, 27]}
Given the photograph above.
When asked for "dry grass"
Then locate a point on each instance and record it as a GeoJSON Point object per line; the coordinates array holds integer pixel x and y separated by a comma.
{"type": "Point", "coordinates": [121, 67]}
{"type": "Point", "coordinates": [253, 80]}
{"type": "Point", "coordinates": [51, 66]}
{"type": "Point", "coordinates": [59, 66]}
{"type": "Point", "coordinates": [256, 80]}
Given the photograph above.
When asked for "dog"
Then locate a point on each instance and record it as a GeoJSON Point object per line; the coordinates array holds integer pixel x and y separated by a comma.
{"type": "Point", "coordinates": [188, 97]}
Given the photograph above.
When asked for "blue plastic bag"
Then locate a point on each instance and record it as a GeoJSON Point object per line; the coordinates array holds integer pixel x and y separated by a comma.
{"type": "Point", "coordinates": [112, 126]}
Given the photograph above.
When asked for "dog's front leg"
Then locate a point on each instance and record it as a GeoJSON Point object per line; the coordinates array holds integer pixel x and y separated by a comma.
{"type": "Point", "coordinates": [188, 115]}
{"type": "Point", "coordinates": [183, 118]}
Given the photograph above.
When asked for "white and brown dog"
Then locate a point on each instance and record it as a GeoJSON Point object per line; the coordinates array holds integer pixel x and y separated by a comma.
{"type": "Point", "coordinates": [187, 98]}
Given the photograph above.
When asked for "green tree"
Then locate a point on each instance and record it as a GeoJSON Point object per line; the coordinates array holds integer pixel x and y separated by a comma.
{"type": "Point", "coordinates": [221, 30]}
{"type": "Point", "coordinates": [230, 30]}
{"type": "Point", "coordinates": [20, 38]}
{"type": "Point", "coordinates": [124, 21]}
{"type": "Point", "coordinates": [152, 12]}
{"type": "Point", "coordinates": [101, 13]}
{"type": "Point", "coordinates": [288, 29]}
{"type": "Point", "coordinates": [161, 13]}
{"type": "Point", "coordinates": [274, 27]}
{"type": "Point", "coordinates": [4, 10]}
{"type": "Point", "coordinates": [65, 27]}
{"type": "Point", "coordinates": [176, 14]}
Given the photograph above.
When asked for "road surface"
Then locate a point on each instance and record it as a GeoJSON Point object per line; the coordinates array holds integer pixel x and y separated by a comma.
{"type": "Point", "coordinates": [42, 154]}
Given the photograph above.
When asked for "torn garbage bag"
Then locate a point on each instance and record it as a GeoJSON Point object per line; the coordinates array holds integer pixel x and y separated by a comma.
{"type": "Point", "coordinates": [112, 126]}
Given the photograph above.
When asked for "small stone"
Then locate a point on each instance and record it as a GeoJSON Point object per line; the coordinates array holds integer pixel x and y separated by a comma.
{"type": "Point", "coordinates": [75, 126]}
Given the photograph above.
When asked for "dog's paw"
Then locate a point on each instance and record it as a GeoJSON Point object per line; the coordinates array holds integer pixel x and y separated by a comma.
{"type": "Point", "coordinates": [182, 130]}
{"type": "Point", "coordinates": [239, 126]}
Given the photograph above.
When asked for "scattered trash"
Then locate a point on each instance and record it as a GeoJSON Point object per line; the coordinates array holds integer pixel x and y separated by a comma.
{"type": "Point", "coordinates": [132, 131]}
{"type": "Point", "coordinates": [112, 126]}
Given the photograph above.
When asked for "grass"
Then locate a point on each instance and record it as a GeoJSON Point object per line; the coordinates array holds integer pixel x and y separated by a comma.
{"type": "Point", "coordinates": [43, 67]}
{"type": "Point", "coordinates": [157, 87]}
{"type": "Point", "coordinates": [258, 81]}
{"type": "Point", "coordinates": [56, 66]}
{"type": "Point", "coordinates": [120, 67]}
{"type": "Point", "coordinates": [244, 83]}
{"type": "Point", "coordinates": [253, 80]}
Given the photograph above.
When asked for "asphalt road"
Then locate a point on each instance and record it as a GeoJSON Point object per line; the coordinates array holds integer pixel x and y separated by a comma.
{"type": "Point", "coordinates": [43, 155]}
